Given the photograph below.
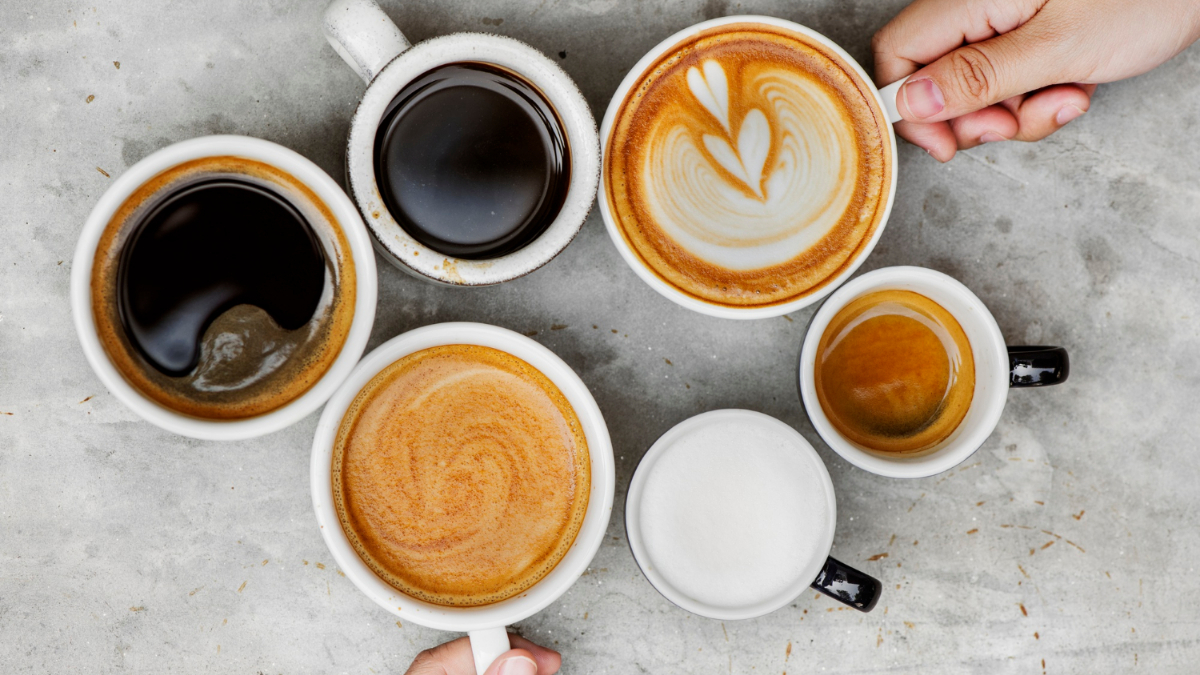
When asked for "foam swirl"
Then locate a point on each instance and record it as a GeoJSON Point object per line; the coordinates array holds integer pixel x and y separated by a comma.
{"type": "Point", "coordinates": [730, 208]}
{"type": "Point", "coordinates": [461, 475]}
{"type": "Point", "coordinates": [748, 167]}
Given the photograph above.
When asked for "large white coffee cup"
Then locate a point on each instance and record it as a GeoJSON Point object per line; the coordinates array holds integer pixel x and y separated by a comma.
{"type": "Point", "coordinates": [886, 98]}
{"type": "Point", "coordinates": [219, 146]}
{"type": "Point", "coordinates": [997, 369]}
{"type": "Point", "coordinates": [484, 623]}
{"type": "Point", "coordinates": [376, 49]}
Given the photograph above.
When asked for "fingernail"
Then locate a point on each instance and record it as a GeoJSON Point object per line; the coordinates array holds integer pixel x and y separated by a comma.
{"type": "Point", "coordinates": [1066, 114]}
{"type": "Point", "coordinates": [991, 137]}
{"type": "Point", "coordinates": [518, 665]}
{"type": "Point", "coordinates": [923, 98]}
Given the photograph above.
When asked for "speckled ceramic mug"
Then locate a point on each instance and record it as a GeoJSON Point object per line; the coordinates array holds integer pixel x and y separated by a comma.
{"type": "Point", "coordinates": [376, 49]}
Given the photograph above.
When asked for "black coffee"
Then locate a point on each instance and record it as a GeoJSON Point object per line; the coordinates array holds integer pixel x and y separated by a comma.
{"type": "Point", "coordinates": [206, 248]}
{"type": "Point", "coordinates": [471, 161]}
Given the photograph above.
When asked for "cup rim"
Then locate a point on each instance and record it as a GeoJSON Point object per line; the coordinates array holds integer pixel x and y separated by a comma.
{"type": "Point", "coordinates": [633, 533]}
{"type": "Point", "coordinates": [591, 533]}
{"type": "Point", "coordinates": [564, 96]}
{"type": "Point", "coordinates": [306, 172]}
{"type": "Point", "coordinates": [671, 292]}
{"type": "Point", "coordinates": [958, 447]}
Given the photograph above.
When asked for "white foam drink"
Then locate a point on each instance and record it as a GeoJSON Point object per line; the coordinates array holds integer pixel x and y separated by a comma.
{"type": "Point", "coordinates": [731, 514]}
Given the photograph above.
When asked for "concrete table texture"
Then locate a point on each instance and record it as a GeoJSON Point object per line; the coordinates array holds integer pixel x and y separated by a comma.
{"type": "Point", "coordinates": [1066, 544]}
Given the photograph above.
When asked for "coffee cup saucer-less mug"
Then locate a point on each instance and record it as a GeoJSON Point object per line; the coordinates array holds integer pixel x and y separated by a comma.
{"type": "Point", "coordinates": [885, 98]}
{"type": "Point", "coordinates": [302, 169]}
{"type": "Point", "coordinates": [997, 369]}
{"type": "Point", "coordinates": [484, 623]}
{"type": "Point", "coordinates": [819, 571]}
{"type": "Point", "coordinates": [363, 35]}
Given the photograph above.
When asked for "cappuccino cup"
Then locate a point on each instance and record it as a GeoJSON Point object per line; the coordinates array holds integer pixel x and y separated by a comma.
{"type": "Point", "coordinates": [749, 166]}
{"type": "Point", "coordinates": [873, 326]}
{"type": "Point", "coordinates": [223, 287]}
{"type": "Point", "coordinates": [473, 158]}
{"type": "Point", "coordinates": [460, 411]}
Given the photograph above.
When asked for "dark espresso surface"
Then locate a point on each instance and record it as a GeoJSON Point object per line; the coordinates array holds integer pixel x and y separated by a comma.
{"type": "Point", "coordinates": [472, 161]}
{"type": "Point", "coordinates": [223, 288]}
{"type": "Point", "coordinates": [205, 249]}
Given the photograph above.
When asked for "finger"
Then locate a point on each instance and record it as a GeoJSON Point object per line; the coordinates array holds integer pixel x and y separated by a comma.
{"type": "Point", "coordinates": [511, 662]}
{"type": "Point", "coordinates": [452, 658]}
{"type": "Point", "coordinates": [937, 139]}
{"type": "Point", "coordinates": [1045, 112]}
{"type": "Point", "coordinates": [993, 123]}
{"type": "Point", "coordinates": [929, 29]}
{"type": "Point", "coordinates": [981, 74]}
{"type": "Point", "coordinates": [548, 660]}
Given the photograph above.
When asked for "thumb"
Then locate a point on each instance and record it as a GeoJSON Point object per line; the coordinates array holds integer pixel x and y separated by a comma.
{"type": "Point", "coordinates": [513, 662]}
{"type": "Point", "coordinates": [981, 74]}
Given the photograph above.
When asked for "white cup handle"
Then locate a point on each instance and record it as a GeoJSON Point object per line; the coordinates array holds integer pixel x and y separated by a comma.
{"type": "Point", "coordinates": [363, 35]}
{"type": "Point", "coordinates": [889, 94]}
{"type": "Point", "coordinates": [486, 645]}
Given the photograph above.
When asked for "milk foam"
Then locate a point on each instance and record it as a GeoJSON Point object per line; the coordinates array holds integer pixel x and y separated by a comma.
{"type": "Point", "coordinates": [722, 200]}
{"type": "Point", "coordinates": [732, 512]}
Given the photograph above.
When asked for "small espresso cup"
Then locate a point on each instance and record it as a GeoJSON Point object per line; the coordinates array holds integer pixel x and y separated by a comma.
{"type": "Point", "coordinates": [881, 101]}
{"type": "Point", "coordinates": [141, 178]}
{"type": "Point", "coordinates": [997, 369]}
{"type": "Point", "coordinates": [376, 49]}
{"type": "Point", "coordinates": [770, 485]}
{"type": "Point", "coordinates": [484, 623]}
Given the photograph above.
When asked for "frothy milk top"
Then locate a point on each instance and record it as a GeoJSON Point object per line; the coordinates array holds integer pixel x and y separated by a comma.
{"type": "Point", "coordinates": [731, 512]}
{"type": "Point", "coordinates": [748, 167]}
{"type": "Point", "coordinates": [461, 475]}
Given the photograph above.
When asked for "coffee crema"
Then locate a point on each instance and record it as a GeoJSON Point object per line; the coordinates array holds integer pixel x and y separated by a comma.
{"type": "Point", "coordinates": [461, 475]}
{"type": "Point", "coordinates": [223, 288]}
{"type": "Point", "coordinates": [895, 372]}
{"type": "Point", "coordinates": [749, 166]}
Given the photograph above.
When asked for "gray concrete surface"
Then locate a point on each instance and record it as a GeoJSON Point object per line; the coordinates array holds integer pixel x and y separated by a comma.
{"type": "Point", "coordinates": [1067, 544]}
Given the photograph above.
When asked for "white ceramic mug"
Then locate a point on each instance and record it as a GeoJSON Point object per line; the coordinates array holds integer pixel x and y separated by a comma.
{"type": "Point", "coordinates": [886, 99]}
{"type": "Point", "coordinates": [485, 624]}
{"type": "Point", "coordinates": [997, 369]}
{"type": "Point", "coordinates": [819, 572]}
{"type": "Point", "coordinates": [291, 163]}
{"type": "Point", "coordinates": [376, 49]}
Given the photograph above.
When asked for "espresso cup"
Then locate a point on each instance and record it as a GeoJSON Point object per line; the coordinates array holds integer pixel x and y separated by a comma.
{"type": "Point", "coordinates": [376, 49]}
{"type": "Point", "coordinates": [731, 514]}
{"type": "Point", "coordinates": [997, 368]}
{"type": "Point", "coordinates": [741, 251]}
{"type": "Point", "coordinates": [484, 623]}
{"type": "Point", "coordinates": [136, 189]}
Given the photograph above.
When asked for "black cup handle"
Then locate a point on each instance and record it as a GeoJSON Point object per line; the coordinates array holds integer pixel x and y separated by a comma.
{"type": "Point", "coordinates": [847, 585]}
{"type": "Point", "coordinates": [1037, 366]}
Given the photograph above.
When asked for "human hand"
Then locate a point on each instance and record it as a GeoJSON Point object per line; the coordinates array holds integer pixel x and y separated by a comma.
{"type": "Point", "coordinates": [1018, 69]}
{"type": "Point", "coordinates": [454, 658]}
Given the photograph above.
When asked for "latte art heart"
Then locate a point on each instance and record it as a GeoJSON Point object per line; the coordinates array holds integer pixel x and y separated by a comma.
{"type": "Point", "coordinates": [749, 167]}
{"type": "Point", "coordinates": [698, 193]}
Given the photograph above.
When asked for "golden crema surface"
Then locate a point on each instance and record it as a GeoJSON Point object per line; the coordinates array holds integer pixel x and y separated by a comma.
{"type": "Point", "coordinates": [749, 166]}
{"type": "Point", "coordinates": [895, 372]}
{"type": "Point", "coordinates": [461, 475]}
